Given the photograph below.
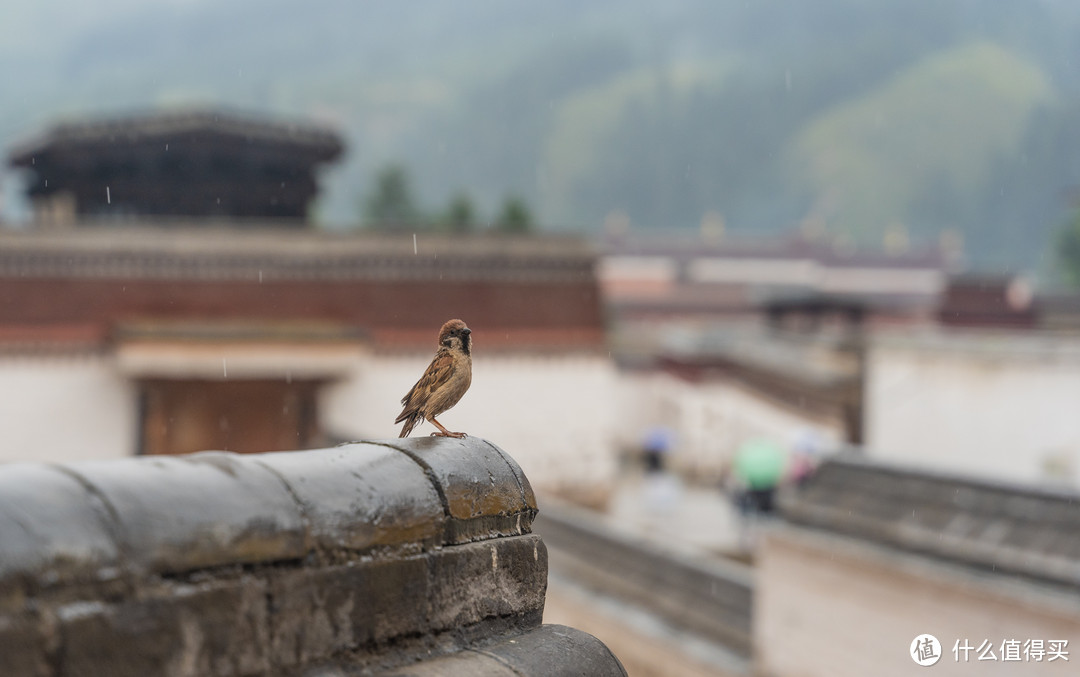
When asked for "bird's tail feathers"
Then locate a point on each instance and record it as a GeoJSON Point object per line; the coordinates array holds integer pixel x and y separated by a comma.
{"type": "Point", "coordinates": [410, 423]}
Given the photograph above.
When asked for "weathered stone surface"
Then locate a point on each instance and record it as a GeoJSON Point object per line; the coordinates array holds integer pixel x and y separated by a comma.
{"type": "Point", "coordinates": [358, 496]}
{"type": "Point", "coordinates": [178, 514]}
{"type": "Point", "coordinates": [548, 651]}
{"type": "Point", "coordinates": [218, 628]}
{"type": "Point", "coordinates": [464, 664]}
{"type": "Point", "coordinates": [557, 651]}
{"type": "Point", "coordinates": [506, 576]}
{"type": "Point", "coordinates": [96, 520]}
{"type": "Point", "coordinates": [485, 493]}
{"type": "Point", "coordinates": [526, 488]}
{"type": "Point", "coordinates": [52, 530]}
{"type": "Point", "coordinates": [318, 612]}
{"type": "Point", "coordinates": [217, 564]}
{"type": "Point", "coordinates": [476, 477]}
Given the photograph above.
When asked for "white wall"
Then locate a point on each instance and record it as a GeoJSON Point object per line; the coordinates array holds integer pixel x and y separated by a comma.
{"type": "Point", "coordinates": [1004, 406]}
{"type": "Point", "coordinates": [554, 414]}
{"type": "Point", "coordinates": [64, 408]}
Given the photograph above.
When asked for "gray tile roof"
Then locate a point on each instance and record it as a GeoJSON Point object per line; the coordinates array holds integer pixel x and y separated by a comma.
{"type": "Point", "coordinates": [1020, 530]}
{"type": "Point", "coordinates": [324, 143]}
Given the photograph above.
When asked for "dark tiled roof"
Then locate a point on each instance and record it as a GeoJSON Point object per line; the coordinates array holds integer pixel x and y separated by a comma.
{"type": "Point", "coordinates": [1020, 530]}
{"type": "Point", "coordinates": [325, 143]}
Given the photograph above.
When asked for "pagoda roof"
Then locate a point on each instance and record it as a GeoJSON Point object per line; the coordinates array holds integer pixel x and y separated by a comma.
{"type": "Point", "coordinates": [321, 143]}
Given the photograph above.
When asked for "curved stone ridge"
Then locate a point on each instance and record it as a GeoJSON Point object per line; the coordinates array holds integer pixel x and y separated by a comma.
{"type": "Point", "coordinates": [92, 522]}
{"type": "Point", "coordinates": [550, 651]}
{"type": "Point", "coordinates": [367, 556]}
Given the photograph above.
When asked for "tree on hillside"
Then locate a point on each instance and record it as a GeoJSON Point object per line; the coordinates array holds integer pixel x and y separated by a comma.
{"type": "Point", "coordinates": [391, 204]}
{"type": "Point", "coordinates": [1067, 249]}
{"type": "Point", "coordinates": [514, 217]}
{"type": "Point", "coordinates": [460, 215]}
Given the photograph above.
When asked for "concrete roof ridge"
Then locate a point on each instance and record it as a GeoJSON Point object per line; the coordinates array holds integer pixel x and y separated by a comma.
{"type": "Point", "coordinates": [988, 525]}
{"type": "Point", "coordinates": [104, 522]}
{"type": "Point", "coordinates": [483, 490]}
{"type": "Point", "coordinates": [934, 474]}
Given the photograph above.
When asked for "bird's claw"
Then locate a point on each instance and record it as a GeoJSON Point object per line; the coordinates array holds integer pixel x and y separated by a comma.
{"type": "Point", "coordinates": [459, 436]}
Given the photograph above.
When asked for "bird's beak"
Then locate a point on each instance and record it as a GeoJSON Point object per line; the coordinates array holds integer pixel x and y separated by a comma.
{"type": "Point", "coordinates": [466, 331]}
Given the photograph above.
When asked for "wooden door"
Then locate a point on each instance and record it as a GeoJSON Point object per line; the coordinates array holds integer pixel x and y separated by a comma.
{"type": "Point", "coordinates": [183, 416]}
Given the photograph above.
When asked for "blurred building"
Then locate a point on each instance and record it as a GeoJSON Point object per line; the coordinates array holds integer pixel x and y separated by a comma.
{"type": "Point", "coordinates": [988, 403]}
{"type": "Point", "coordinates": [988, 390]}
{"type": "Point", "coordinates": [727, 340]}
{"type": "Point", "coordinates": [121, 341]}
{"type": "Point", "coordinates": [897, 354]}
{"type": "Point", "coordinates": [726, 387]}
{"type": "Point", "coordinates": [695, 281]}
{"type": "Point", "coordinates": [988, 301]}
{"type": "Point", "coordinates": [206, 164]}
{"type": "Point", "coordinates": [174, 314]}
{"type": "Point", "coordinates": [874, 556]}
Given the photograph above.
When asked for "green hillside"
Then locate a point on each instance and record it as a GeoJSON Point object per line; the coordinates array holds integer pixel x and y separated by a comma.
{"type": "Point", "coordinates": [853, 116]}
{"type": "Point", "coordinates": [940, 124]}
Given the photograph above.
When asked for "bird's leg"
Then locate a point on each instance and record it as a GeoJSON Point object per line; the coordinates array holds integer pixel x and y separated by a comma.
{"type": "Point", "coordinates": [445, 432]}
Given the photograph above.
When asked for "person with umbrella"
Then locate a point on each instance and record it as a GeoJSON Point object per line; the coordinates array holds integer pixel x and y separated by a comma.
{"type": "Point", "coordinates": [759, 466]}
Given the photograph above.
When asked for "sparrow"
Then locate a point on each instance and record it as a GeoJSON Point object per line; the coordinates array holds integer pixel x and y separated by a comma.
{"type": "Point", "coordinates": [447, 378]}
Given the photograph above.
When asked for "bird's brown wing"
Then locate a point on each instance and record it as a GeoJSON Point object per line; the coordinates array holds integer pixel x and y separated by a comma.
{"type": "Point", "coordinates": [437, 373]}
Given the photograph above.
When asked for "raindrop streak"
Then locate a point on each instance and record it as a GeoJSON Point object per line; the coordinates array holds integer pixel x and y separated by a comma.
{"type": "Point", "coordinates": [108, 196]}
{"type": "Point", "coordinates": [414, 244]}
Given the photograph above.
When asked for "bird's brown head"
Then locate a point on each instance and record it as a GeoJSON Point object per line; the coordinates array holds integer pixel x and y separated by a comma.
{"type": "Point", "coordinates": [455, 333]}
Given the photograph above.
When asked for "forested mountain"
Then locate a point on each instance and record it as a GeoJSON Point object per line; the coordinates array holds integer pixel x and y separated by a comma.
{"type": "Point", "coordinates": [848, 118]}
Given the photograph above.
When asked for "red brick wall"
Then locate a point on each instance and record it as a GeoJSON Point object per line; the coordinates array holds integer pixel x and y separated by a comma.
{"type": "Point", "coordinates": [557, 313]}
